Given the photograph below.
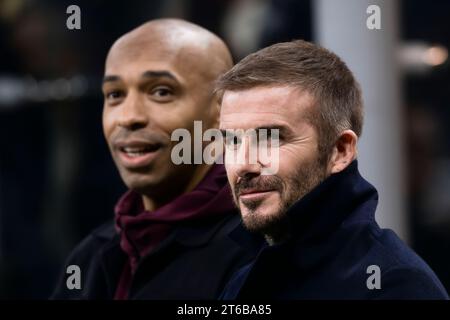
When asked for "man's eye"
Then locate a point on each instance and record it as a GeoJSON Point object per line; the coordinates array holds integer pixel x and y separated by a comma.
{"type": "Point", "coordinates": [269, 136]}
{"type": "Point", "coordinates": [232, 141]}
{"type": "Point", "coordinates": [113, 95]}
{"type": "Point", "coordinates": [162, 94]}
{"type": "Point", "coordinates": [263, 137]}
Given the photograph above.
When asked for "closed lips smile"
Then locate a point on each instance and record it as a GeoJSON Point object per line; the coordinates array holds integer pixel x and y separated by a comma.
{"type": "Point", "coordinates": [254, 193]}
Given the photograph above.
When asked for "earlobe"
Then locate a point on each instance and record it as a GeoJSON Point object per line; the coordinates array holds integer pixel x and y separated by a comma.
{"type": "Point", "coordinates": [344, 151]}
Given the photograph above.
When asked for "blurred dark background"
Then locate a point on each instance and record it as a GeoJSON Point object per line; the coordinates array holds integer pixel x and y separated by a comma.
{"type": "Point", "coordinates": [57, 180]}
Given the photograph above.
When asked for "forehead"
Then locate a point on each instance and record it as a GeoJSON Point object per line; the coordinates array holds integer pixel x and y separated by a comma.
{"type": "Point", "coordinates": [263, 106]}
{"type": "Point", "coordinates": [134, 57]}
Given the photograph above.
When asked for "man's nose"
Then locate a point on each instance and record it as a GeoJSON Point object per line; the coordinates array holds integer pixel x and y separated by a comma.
{"type": "Point", "coordinates": [247, 164]}
{"type": "Point", "coordinates": [248, 170]}
{"type": "Point", "coordinates": [133, 114]}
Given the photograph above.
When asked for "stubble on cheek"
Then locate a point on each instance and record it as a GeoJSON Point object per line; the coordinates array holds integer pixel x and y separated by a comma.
{"type": "Point", "coordinates": [270, 217]}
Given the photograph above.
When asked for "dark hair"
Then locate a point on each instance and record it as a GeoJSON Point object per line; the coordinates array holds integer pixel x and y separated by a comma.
{"type": "Point", "coordinates": [310, 67]}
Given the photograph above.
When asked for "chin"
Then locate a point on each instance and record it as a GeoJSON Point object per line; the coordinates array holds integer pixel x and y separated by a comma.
{"type": "Point", "coordinates": [261, 219]}
{"type": "Point", "coordinates": [141, 183]}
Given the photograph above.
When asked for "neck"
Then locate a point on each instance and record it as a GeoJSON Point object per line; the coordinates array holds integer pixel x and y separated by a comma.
{"type": "Point", "coordinates": [152, 203]}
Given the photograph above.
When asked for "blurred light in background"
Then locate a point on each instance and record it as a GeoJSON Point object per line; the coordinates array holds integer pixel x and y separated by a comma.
{"type": "Point", "coordinates": [422, 57]}
{"type": "Point", "coordinates": [436, 55]}
{"type": "Point", "coordinates": [15, 91]}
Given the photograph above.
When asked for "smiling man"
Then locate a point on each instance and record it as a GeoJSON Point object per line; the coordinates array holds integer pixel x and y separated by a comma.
{"type": "Point", "coordinates": [316, 212]}
{"type": "Point", "coordinates": [169, 238]}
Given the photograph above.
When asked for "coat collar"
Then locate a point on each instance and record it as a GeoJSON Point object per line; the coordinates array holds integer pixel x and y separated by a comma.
{"type": "Point", "coordinates": [113, 258]}
{"type": "Point", "coordinates": [335, 201]}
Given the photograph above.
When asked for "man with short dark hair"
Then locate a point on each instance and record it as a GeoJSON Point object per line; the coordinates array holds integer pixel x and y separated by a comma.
{"type": "Point", "coordinates": [170, 236]}
{"type": "Point", "coordinates": [316, 211]}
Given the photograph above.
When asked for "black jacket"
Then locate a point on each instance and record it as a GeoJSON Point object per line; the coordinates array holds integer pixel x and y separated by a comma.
{"type": "Point", "coordinates": [334, 244]}
{"type": "Point", "coordinates": [193, 262]}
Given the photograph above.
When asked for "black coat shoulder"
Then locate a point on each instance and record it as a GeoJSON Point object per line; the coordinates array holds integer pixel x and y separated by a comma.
{"type": "Point", "coordinates": [194, 262]}
{"type": "Point", "coordinates": [87, 255]}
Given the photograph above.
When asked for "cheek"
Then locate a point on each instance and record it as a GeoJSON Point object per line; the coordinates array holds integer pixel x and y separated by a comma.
{"type": "Point", "coordinates": [170, 120]}
{"type": "Point", "coordinates": [291, 158]}
{"type": "Point", "coordinates": [183, 113]}
{"type": "Point", "coordinates": [199, 107]}
{"type": "Point", "coordinates": [107, 123]}
{"type": "Point", "coordinates": [230, 175]}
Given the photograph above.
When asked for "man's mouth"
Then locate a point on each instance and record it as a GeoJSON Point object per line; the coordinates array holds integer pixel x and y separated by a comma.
{"type": "Point", "coordinates": [136, 154]}
{"type": "Point", "coordinates": [255, 194]}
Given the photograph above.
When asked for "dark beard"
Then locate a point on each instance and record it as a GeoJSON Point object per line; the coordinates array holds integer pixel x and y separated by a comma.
{"type": "Point", "coordinates": [276, 225]}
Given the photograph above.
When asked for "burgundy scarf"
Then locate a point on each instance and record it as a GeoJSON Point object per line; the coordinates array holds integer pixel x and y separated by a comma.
{"type": "Point", "coordinates": [140, 231]}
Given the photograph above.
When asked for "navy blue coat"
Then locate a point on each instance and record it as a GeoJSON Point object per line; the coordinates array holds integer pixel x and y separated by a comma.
{"type": "Point", "coordinates": [335, 241]}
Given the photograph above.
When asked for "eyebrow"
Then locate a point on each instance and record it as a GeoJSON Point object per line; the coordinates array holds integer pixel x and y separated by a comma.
{"type": "Point", "coordinates": [282, 129]}
{"type": "Point", "coordinates": [146, 74]}
{"type": "Point", "coordinates": [159, 74]}
{"type": "Point", "coordinates": [110, 79]}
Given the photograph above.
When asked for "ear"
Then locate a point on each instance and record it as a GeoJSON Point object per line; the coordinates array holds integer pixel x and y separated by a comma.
{"type": "Point", "coordinates": [344, 152]}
